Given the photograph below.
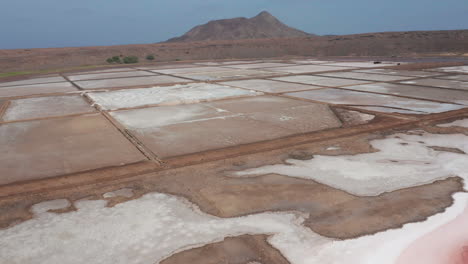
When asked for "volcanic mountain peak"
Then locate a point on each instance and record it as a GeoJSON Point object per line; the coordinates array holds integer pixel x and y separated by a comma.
{"type": "Point", "coordinates": [265, 15]}
{"type": "Point", "coordinates": [264, 25]}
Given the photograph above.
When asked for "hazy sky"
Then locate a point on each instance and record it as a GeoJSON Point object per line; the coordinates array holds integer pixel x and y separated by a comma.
{"type": "Point", "coordinates": [59, 23]}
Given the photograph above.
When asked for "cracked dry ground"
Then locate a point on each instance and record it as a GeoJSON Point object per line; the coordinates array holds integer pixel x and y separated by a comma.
{"type": "Point", "coordinates": [298, 181]}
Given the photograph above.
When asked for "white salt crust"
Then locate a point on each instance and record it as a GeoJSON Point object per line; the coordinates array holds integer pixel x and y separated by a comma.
{"type": "Point", "coordinates": [457, 123]}
{"type": "Point", "coordinates": [460, 69]}
{"type": "Point", "coordinates": [145, 230]}
{"type": "Point", "coordinates": [155, 226]}
{"type": "Point", "coordinates": [40, 107]}
{"type": "Point", "coordinates": [170, 95]}
{"type": "Point", "coordinates": [124, 192]}
{"type": "Point", "coordinates": [402, 161]}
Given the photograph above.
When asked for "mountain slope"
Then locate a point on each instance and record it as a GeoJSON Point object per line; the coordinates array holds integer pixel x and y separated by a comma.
{"type": "Point", "coordinates": [446, 43]}
{"type": "Point", "coordinates": [264, 25]}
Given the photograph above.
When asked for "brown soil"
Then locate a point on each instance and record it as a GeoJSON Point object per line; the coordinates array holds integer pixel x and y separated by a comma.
{"type": "Point", "coordinates": [233, 250]}
{"type": "Point", "coordinates": [409, 44]}
{"type": "Point", "coordinates": [333, 213]}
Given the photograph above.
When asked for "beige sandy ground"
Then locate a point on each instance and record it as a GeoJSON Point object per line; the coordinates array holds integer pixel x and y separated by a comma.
{"type": "Point", "coordinates": [185, 140]}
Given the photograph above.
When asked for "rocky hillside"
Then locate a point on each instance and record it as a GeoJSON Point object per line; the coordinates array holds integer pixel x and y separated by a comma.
{"type": "Point", "coordinates": [451, 43]}
{"type": "Point", "coordinates": [264, 25]}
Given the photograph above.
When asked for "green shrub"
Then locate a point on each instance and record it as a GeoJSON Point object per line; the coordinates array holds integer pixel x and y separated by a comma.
{"type": "Point", "coordinates": [109, 60]}
{"type": "Point", "coordinates": [150, 57]}
{"type": "Point", "coordinates": [130, 59]}
{"type": "Point", "coordinates": [116, 59]}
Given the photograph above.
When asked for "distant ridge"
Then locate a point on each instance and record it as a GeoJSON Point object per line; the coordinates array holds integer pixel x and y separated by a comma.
{"type": "Point", "coordinates": [264, 25]}
{"type": "Point", "coordinates": [452, 44]}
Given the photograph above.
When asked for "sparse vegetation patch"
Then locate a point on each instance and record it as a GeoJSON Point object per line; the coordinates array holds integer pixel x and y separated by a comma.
{"type": "Point", "coordinates": [130, 59]}
{"type": "Point", "coordinates": [114, 59]}
{"type": "Point", "coordinates": [126, 60]}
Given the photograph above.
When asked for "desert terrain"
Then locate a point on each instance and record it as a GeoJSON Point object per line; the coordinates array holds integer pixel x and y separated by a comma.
{"type": "Point", "coordinates": [262, 36]}
{"type": "Point", "coordinates": [375, 46]}
{"type": "Point", "coordinates": [258, 161]}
